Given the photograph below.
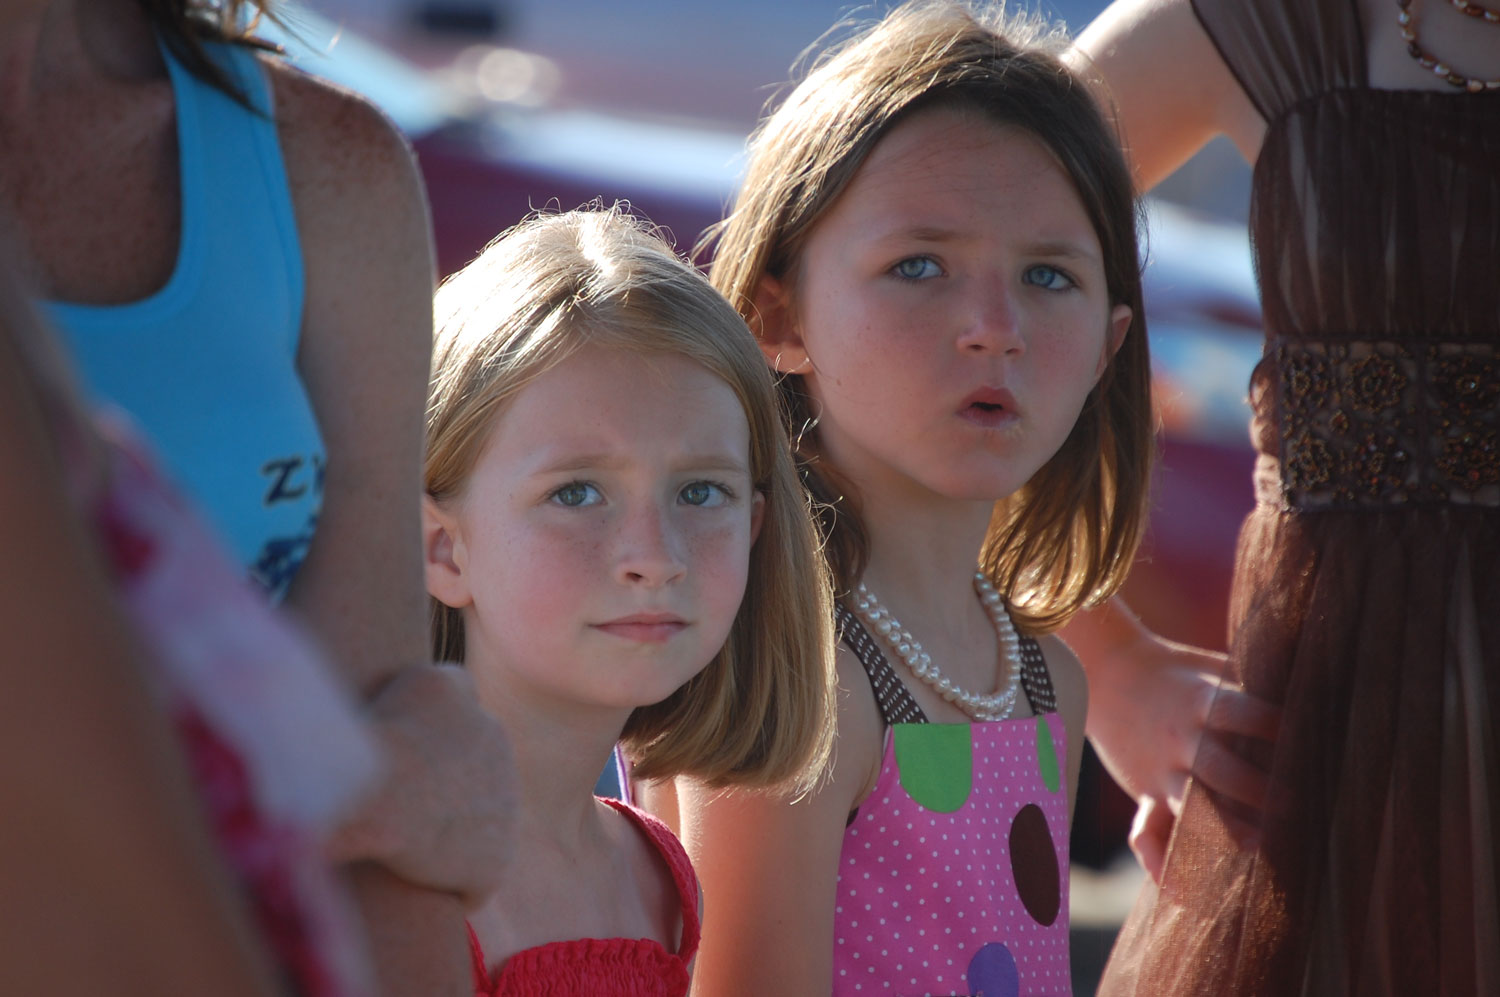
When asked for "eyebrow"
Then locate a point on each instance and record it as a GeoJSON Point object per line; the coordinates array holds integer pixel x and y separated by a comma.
{"type": "Point", "coordinates": [612, 462]}
{"type": "Point", "coordinates": [1063, 249]}
{"type": "Point", "coordinates": [1066, 250]}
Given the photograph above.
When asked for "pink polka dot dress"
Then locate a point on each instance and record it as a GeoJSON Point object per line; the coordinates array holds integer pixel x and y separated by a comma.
{"type": "Point", "coordinates": [953, 874]}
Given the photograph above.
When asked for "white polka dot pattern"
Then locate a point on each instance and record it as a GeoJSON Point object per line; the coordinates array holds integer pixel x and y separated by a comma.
{"type": "Point", "coordinates": [921, 893]}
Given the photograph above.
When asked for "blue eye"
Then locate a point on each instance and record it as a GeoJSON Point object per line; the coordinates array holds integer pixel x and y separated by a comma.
{"type": "Point", "coordinates": [917, 268]}
{"type": "Point", "coordinates": [576, 494]}
{"type": "Point", "coordinates": [704, 493]}
{"type": "Point", "coordinates": [1047, 278]}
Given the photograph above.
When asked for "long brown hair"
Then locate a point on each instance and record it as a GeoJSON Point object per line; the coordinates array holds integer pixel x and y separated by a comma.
{"type": "Point", "coordinates": [761, 712]}
{"type": "Point", "coordinates": [184, 26]}
{"type": "Point", "coordinates": [1066, 539]}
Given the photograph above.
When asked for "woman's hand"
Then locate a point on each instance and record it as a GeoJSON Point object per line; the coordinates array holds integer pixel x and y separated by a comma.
{"type": "Point", "coordinates": [1161, 711]}
{"type": "Point", "coordinates": [441, 817]}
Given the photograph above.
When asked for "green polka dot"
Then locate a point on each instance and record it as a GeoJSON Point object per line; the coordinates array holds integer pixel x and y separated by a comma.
{"type": "Point", "coordinates": [936, 764]}
{"type": "Point", "coordinates": [1046, 756]}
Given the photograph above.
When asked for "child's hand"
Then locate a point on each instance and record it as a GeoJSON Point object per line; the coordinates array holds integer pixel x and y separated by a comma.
{"type": "Point", "coordinates": [441, 817]}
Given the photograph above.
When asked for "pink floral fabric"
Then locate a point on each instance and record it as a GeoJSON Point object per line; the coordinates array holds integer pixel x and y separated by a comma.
{"type": "Point", "coordinates": [275, 748]}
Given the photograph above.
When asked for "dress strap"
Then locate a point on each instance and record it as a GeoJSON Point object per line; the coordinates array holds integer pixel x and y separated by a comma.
{"type": "Point", "coordinates": [683, 876]}
{"type": "Point", "coordinates": [1036, 681]}
{"type": "Point", "coordinates": [891, 695]}
{"type": "Point", "coordinates": [1285, 51]}
{"type": "Point", "coordinates": [895, 701]}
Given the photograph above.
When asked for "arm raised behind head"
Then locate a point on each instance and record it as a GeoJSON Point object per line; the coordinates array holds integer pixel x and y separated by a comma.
{"type": "Point", "coordinates": [1156, 72]}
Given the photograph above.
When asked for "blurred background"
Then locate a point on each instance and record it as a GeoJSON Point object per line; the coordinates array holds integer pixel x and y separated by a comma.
{"type": "Point", "coordinates": [519, 104]}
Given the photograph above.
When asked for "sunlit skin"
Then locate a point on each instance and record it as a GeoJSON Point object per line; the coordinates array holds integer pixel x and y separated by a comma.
{"type": "Point", "coordinates": [603, 537]}
{"type": "Point", "coordinates": [950, 315]}
{"type": "Point", "coordinates": [598, 553]}
{"type": "Point", "coordinates": [951, 311]}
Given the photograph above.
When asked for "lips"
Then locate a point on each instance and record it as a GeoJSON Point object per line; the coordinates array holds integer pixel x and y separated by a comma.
{"type": "Point", "coordinates": [990, 408]}
{"type": "Point", "coordinates": [644, 628]}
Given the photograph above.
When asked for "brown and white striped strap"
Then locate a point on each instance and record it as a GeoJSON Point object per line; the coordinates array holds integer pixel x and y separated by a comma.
{"type": "Point", "coordinates": [894, 699]}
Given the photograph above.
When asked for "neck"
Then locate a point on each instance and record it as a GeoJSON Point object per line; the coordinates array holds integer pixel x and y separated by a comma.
{"type": "Point", "coordinates": [71, 43]}
{"type": "Point", "coordinates": [559, 752]}
{"type": "Point", "coordinates": [923, 551]}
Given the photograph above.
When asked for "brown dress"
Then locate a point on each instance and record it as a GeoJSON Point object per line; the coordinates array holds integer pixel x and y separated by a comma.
{"type": "Point", "coordinates": [1367, 583]}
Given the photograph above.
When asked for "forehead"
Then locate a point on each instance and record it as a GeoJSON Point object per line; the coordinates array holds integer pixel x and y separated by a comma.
{"type": "Point", "coordinates": [960, 163]}
{"type": "Point", "coordinates": [613, 400]}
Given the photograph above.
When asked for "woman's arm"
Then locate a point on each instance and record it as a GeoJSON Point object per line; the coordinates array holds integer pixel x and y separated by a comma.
{"type": "Point", "coordinates": [365, 352]}
{"type": "Point", "coordinates": [769, 865]}
{"type": "Point", "coordinates": [111, 881]}
{"type": "Point", "coordinates": [1160, 710]}
{"type": "Point", "coordinates": [1156, 71]}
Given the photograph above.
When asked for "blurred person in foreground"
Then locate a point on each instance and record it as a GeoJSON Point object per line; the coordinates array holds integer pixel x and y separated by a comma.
{"type": "Point", "coordinates": [238, 255]}
{"type": "Point", "coordinates": [173, 753]}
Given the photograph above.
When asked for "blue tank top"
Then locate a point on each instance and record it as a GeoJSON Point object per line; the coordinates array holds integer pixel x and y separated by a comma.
{"type": "Point", "coordinates": [207, 365]}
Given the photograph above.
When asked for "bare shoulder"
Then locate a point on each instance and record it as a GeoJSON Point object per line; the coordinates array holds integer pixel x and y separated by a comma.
{"type": "Point", "coordinates": [1072, 688]}
{"type": "Point", "coordinates": [335, 137]}
{"type": "Point", "coordinates": [1068, 677]}
{"type": "Point", "coordinates": [860, 738]}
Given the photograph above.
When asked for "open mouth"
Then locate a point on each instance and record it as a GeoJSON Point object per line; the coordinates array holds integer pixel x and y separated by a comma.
{"type": "Point", "coordinates": [990, 408]}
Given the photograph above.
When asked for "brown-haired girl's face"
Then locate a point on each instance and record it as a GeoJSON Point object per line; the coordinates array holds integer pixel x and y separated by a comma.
{"type": "Point", "coordinates": [949, 312]}
{"type": "Point", "coordinates": [600, 548]}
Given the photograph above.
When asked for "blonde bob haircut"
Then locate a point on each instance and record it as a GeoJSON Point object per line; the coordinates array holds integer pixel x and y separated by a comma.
{"type": "Point", "coordinates": [761, 713]}
{"type": "Point", "coordinates": [1066, 539]}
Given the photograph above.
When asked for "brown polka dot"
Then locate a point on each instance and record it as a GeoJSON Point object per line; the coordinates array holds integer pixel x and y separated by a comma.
{"type": "Point", "coordinates": [1033, 864]}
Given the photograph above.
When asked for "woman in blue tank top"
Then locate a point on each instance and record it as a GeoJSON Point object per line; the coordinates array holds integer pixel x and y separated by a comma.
{"type": "Point", "coordinates": [239, 256]}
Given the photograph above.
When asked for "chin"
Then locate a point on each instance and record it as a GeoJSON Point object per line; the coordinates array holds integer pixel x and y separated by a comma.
{"type": "Point", "coordinates": [979, 487]}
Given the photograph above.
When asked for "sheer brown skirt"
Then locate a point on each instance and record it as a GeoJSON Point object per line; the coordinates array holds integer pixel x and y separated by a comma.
{"type": "Point", "coordinates": [1375, 869]}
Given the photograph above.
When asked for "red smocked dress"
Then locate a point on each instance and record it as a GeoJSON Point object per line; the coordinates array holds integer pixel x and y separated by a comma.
{"type": "Point", "coordinates": [605, 967]}
{"type": "Point", "coordinates": [1367, 584]}
{"type": "Point", "coordinates": [953, 876]}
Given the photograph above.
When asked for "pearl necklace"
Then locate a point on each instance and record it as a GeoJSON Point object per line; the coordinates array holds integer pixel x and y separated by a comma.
{"type": "Point", "coordinates": [996, 706]}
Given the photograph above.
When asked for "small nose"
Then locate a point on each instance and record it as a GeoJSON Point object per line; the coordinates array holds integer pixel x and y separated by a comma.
{"type": "Point", "coordinates": [650, 550]}
{"type": "Point", "coordinates": [993, 321]}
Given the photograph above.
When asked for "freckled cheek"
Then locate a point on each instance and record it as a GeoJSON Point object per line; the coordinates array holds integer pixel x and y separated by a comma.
{"type": "Point", "coordinates": [1070, 363]}
{"type": "Point", "coordinates": [545, 573]}
{"type": "Point", "coordinates": [719, 558]}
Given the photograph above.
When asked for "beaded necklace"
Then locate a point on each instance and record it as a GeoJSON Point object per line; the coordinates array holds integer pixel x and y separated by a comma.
{"type": "Point", "coordinates": [1428, 61]}
{"type": "Point", "coordinates": [1475, 10]}
{"type": "Point", "coordinates": [997, 705]}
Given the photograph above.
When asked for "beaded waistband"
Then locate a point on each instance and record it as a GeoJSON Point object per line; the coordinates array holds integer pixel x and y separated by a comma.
{"type": "Point", "coordinates": [1382, 423]}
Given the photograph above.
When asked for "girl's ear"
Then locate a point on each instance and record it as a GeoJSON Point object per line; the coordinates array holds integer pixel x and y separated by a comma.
{"type": "Point", "coordinates": [1119, 324]}
{"type": "Point", "coordinates": [443, 556]}
{"type": "Point", "coordinates": [775, 327]}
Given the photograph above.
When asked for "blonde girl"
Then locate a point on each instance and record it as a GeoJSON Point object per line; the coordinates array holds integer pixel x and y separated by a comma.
{"type": "Point", "coordinates": [935, 244]}
{"type": "Point", "coordinates": [617, 549]}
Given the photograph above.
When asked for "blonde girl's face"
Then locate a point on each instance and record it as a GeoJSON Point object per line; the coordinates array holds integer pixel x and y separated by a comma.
{"type": "Point", "coordinates": [600, 550]}
{"type": "Point", "coordinates": [949, 312]}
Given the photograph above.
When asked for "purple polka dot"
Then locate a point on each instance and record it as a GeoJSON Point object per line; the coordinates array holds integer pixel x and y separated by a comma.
{"type": "Point", "coordinates": [993, 973]}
